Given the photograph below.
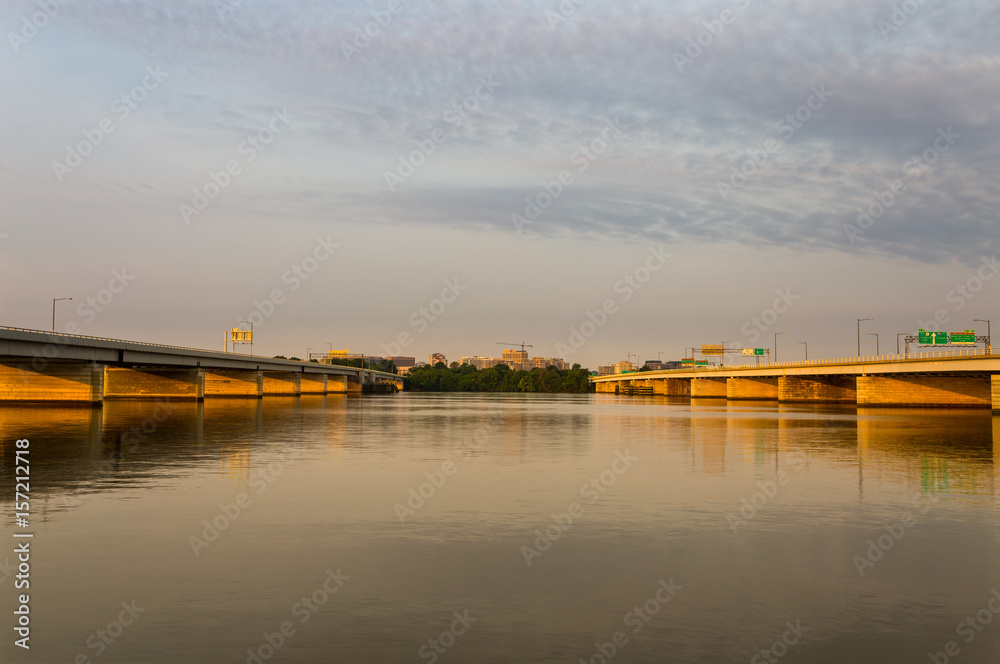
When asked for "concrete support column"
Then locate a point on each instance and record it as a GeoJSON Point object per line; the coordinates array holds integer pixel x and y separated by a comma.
{"type": "Point", "coordinates": [995, 391]}
{"type": "Point", "coordinates": [312, 384]}
{"type": "Point", "coordinates": [672, 387]}
{"type": "Point", "coordinates": [752, 388]}
{"type": "Point", "coordinates": [821, 389]}
{"type": "Point", "coordinates": [172, 384]}
{"type": "Point", "coordinates": [354, 385]}
{"type": "Point", "coordinates": [708, 387]}
{"type": "Point", "coordinates": [281, 383]}
{"type": "Point", "coordinates": [233, 383]}
{"type": "Point", "coordinates": [66, 382]}
{"type": "Point", "coordinates": [336, 384]}
{"type": "Point", "coordinates": [606, 387]}
{"type": "Point", "coordinates": [899, 390]}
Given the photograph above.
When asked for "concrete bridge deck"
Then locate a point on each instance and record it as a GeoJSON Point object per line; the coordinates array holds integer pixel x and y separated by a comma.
{"type": "Point", "coordinates": [38, 366]}
{"type": "Point", "coordinates": [966, 377]}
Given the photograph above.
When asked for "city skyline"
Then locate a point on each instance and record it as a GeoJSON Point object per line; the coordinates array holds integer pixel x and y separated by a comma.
{"type": "Point", "coordinates": [261, 161]}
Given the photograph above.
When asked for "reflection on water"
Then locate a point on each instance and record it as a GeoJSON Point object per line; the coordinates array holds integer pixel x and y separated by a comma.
{"type": "Point", "coordinates": [757, 510]}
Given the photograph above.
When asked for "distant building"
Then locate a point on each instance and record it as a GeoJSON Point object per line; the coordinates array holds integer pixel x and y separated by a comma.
{"type": "Point", "coordinates": [656, 365]}
{"type": "Point", "coordinates": [438, 357]}
{"type": "Point", "coordinates": [401, 362]}
{"type": "Point", "coordinates": [545, 362]}
{"type": "Point", "coordinates": [480, 361]}
{"type": "Point", "coordinates": [605, 370]}
{"type": "Point", "coordinates": [516, 359]}
{"type": "Point", "coordinates": [625, 365]}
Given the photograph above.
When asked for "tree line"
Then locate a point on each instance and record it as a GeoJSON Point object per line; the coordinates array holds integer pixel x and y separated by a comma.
{"type": "Point", "coordinates": [501, 378]}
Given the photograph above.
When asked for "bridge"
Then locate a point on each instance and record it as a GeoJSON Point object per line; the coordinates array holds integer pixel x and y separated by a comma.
{"type": "Point", "coordinates": [48, 367]}
{"type": "Point", "coordinates": [966, 377]}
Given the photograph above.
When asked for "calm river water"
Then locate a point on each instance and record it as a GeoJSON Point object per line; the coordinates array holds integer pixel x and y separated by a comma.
{"type": "Point", "coordinates": [504, 528]}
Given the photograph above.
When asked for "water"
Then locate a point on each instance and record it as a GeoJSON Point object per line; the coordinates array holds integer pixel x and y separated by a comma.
{"type": "Point", "coordinates": [322, 487]}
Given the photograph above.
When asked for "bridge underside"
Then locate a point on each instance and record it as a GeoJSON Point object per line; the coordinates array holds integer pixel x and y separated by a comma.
{"type": "Point", "coordinates": [935, 390]}
{"type": "Point", "coordinates": [89, 383]}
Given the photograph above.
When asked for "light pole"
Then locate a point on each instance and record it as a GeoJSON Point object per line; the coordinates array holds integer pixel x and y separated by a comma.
{"type": "Point", "coordinates": [776, 345]}
{"type": "Point", "coordinates": [989, 343]}
{"type": "Point", "coordinates": [874, 334]}
{"type": "Point", "coordinates": [807, 349]}
{"type": "Point", "coordinates": [54, 300]}
{"type": "Point", "coordinates": [859, 333]}
{"type": "Point", "coordinates": [898, 335]}
{"type": "Point", "coordinates": [307, 353]}
{"type": "Point", "coordinates": [250, 323]}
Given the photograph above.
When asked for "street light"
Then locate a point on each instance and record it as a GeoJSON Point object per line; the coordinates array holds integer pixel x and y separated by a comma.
{"type": "Point", "coordinates": [989, 344]}
{"type": "Point", "coordinates": [874, 334]}
{"type": "Point", "coordinates": [250, 323]}
{"type": "Point", "coordinates": [807, 349]}
{"type": "Point", "coordinates": [776, 344]}
{"type": "Point", "coordinates": [54, 300]}
{"type": "Point", "coordinates": [859, 333]}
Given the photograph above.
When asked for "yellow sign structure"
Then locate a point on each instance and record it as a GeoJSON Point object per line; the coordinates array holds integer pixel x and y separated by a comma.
{"type": "Point", "coordinates": [713, 349]}
{"type": "Point", "coordinates": [237, 336]}
{"type": "Point", "coordinates": [340, 354]}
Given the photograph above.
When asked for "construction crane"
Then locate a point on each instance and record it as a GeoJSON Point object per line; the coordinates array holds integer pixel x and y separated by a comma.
{"type": "Point", "coordinates": [522, 345]}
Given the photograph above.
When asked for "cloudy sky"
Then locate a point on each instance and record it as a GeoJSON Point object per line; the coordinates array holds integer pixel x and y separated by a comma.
{"type": "Point", "coordinates": [336, 167]}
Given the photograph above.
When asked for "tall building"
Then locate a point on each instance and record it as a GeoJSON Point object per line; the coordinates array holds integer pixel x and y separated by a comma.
{"type": "Point", "coordinates": [480, 361]}
{"type": "Point", "coordinates": [545, 362]}
{"type": "Point", "coordinates": [516, 359]}
{"type": "Point", "coordinates": [625, 365]}
{"type": "Point", "coordinates": [438, 357]}
{"type": "Point", "coordinates": [402, 362]}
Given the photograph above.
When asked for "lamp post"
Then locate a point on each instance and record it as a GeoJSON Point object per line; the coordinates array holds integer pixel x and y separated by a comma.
{"type": "Point", "coordinates": [859, 333]}
{"type": "Point", "coordinates": [250, 323]}
{"type": "Point", "coordinates": [874, 334]}
{"type": "Point", "coordinates": [989, 343]}
{"type": "Point", "coordinates": [307, 353]}
{"type": "Point", "coordinates": [54, 300]}
{"type": "Point", "coordinates": [776, 345]}
{"type": "Point", "coordinates": [807, 349]}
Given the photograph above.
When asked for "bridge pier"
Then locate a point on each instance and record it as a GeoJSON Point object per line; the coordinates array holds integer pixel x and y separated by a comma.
{"type": "Point", "coordinates": [831, 389]}
{"type": "Point", "coordinates": [281, 384]}
{"type": "Point", "coordinates": [172, 384]}
{"type": "Point", "coordinates": [995, 392]}
{"type": "Point", "coordinates": [234, 383]}
{"type": "Point", "coordinates": [671, 387]}
{"type": "Point", "coordinates": [336, 384]}
{"type": "Point", "coordinates": [708, 387]}
{"type": "Point", "coordinates": [312, 384]}
{"type": "Point", "coordinates": [762, 389]}
{"type": "Point", "coordinates": [353, 385]}
{"type": "Point", "coordinates": [901, 390]}
{"type": "Point", "coordinates": [67, 382]}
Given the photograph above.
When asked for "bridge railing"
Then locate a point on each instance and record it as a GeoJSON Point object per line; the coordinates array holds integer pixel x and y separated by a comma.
{"type": "Point", "coordinates": [924, 355]}
{"type": "Point", "coordinates": [143, 343]}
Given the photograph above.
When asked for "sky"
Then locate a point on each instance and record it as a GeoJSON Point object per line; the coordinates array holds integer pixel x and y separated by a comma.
{"type": "Point", "coordinates": [601, 180]}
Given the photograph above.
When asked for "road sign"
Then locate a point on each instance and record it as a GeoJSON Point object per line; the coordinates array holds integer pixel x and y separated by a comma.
{"type": "Point", "coordinates": [925, 338]}
{"type": "Point", "coordinates": [713, 349]}
{"type": "Point", "coordinates": [964, 338]}
{"type": "Point", "coordinates": [748, 351]}
{"type": "Point", "coordinates": [758, 351]}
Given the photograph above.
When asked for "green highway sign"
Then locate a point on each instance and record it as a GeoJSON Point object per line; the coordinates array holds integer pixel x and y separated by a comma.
{"type": "Point", "coordinates": [964, 338]}
{"type": "Point", "coordinates": [925, 338]}
{"type": "Point", "coordinates": [758, 351]}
